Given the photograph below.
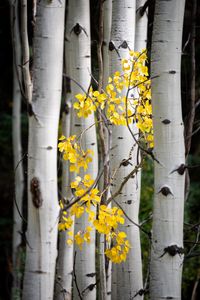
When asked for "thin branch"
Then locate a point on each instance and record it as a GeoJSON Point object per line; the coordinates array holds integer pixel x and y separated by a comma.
{"type": "Point", "coordinates": [126, 179]}
{"type": "Point", "coordinates": [14, 195]}
{"type": "Point", "coordinates": [130, 220]}
{"type": "Point", "coordinates": [143, 9]}
{"type": "Point", "coordinates": [148, 152]}
{"type": "Point", "coordinates": [62, 291]}
{"type": "Point", "coordinates": [195, 244]}
{"type": "Point", "coordinates": [86, 192]}
{"type": "Point", "coordinates": [75, 279]}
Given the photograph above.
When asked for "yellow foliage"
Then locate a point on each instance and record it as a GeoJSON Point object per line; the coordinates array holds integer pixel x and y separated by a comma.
{"type": "Point", "coordinates": [126, 99]}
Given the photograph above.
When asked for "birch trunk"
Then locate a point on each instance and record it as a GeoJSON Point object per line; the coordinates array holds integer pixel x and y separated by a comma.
{"type": "Point", "coordinates": [107, 21]}
{"type": "Point", "coordinates": [64, 268]}
{"type": "Point", "coordinates": [79, 39]}
{"type": "Point", "coordinates": [167, 239]}
{"type": "Point", "coordinates": [43, 209]}
{"type": "Point", "coordinates": [25, 52]}
{"type": "Point", "coordinates": [65, 252]}
{"type": "Point", "coordinates": [141, 27]}
{"type": "Point", "coordinates": [127, 276]}
{"type": "Point", "coordinates": [17, 151]}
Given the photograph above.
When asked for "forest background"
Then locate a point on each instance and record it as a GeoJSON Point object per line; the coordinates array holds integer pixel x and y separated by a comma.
{"type": "Point", "coordinates": [191, 271]}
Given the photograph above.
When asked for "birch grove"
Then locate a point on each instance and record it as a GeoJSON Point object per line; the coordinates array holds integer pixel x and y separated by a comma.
{"type": "Point", "coordinates": [83, 228]}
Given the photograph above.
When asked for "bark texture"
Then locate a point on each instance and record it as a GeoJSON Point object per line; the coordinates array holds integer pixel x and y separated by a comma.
{"type": "Point", "coordinates": [79, 40]}
{"type": "Point", "coordinates": [167, 239]}
{"type": "Point", "coordinates": [64, 269]}
{"type": "Point", "coordinates": [127, 276]}
{"type": "Point", "coordinates": [107, 20]}
{"type": "Point", "coordinates": [17, 151]}
{"type": "Point", "coordinates": [141, 27]}
{"type": "Point", "coordinates": [43, 209]}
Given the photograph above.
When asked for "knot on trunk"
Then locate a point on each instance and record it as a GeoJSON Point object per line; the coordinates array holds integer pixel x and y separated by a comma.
{"type": "Point", "coordinates": [165, 191]}
{"type": "Point", "coordinates": [111, 46]}
{"type": "Point", "coordinates": [91, 274]}
{"type": "Point", "coordinates": [77, 29]}
{"type": "Point", "coordinates": [141, 292]}
{"type": "Point", "coordinates": [36, 192]}
{"type": "Point", "coordinates": [173, 250]}
{"type": "Point", "coordinates": [172, 72]}
{"type": "Point", "coordinates": [181, 169]}
{"type": "Point", "coordinates": [124, 45]}
{"type": "Point", "coordinates": [166, 121]}
{"type": "Point", "coordinates": [126, 162]}
{"type": "Point", "coordinates": [129, 202]}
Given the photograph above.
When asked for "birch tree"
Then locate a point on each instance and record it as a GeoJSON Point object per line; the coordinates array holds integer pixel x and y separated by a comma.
{"type": "Point", "coordinates": [167, 239]}
{"type": "Point", "coordinates": [64, 270]}
{"type": "Point", "coordinates": [141, 26]}
{"type": "Point", "coordinates": [127, 276]}
{"type": "Point", "coordinates": [65, 252]}
{"type": "Point", "coordinates": [43, 209]}
{"type": "Point", "coordinates": [17, 149]}
{"type": "Point", "coordinates": [79, 40]}
{"type": "Point", "coordinates": [107, 21]}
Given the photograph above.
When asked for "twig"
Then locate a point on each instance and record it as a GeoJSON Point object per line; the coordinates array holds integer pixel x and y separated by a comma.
{"type": "Point", "coordinates": [195, 244]}
{"type": "Point", "coordinates": [147, 220]}
{"type": "Point", "coordinates": [75, 279]}
{"type": "Point", "coordinates": [62, 289]}
{"type": "Point", "coordinates": [194, 291]}
{"type": "Point", "coordinates": [148, 152]}
{"type": "Point", "coordinates": [144, 7]}
{"type": "Point", "coordinates": [130, 220]}
{"type": "Point", "coordinates": [134, 171]}
{"type": "Point", "coordinates": [86, 192]}
{"type": "Point", "coordinates": [14, 196]}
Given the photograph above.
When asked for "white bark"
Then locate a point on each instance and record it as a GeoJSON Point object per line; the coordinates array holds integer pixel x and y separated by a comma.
{"type": "Point", "coordinates": [79, 38]}
{"type": "Point", "coordinates": [25, 51]}
{"type": "Point", "coordinates": [166, 270]}
{"type": "Point", "coordinates": [141, 27]}
{"type": "Point", "coordinates": [127, 276]}
{"type": "Point", "coordinates": [64, 268]}
{"type": "Point", "coordinates": [43, 209]}
{"type": "Point", "coordinates": [17, 150]}
{"type": "Point", "coordinates": [107, 21]}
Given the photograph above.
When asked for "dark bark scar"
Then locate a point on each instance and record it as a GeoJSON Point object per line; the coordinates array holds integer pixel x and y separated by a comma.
{"type": "Point", "coordinates": [36, 192]}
